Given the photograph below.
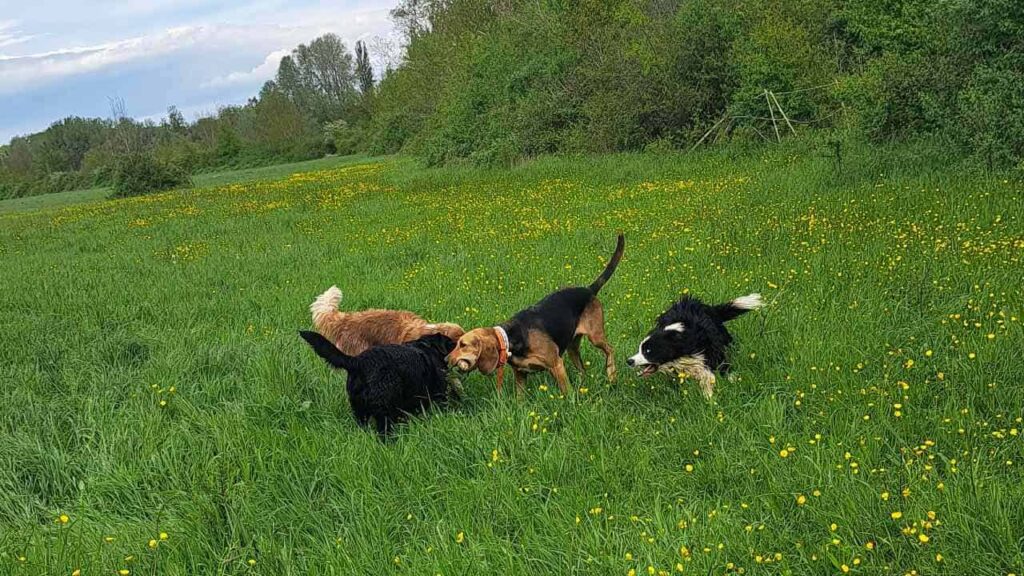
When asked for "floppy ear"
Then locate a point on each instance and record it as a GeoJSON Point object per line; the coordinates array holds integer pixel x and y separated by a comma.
{"type": "Point", "coordinates": [487, 360]}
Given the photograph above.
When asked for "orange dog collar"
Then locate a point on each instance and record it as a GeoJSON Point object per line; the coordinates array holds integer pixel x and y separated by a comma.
{"type": "Point", "coordinates": [503, 346]}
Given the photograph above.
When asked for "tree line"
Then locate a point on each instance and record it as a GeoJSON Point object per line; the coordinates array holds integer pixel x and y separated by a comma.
{"type": "Point", "coordinates": [319, 91]}
{"type": "Point", "coordinates": [489, 81]}
{"type": "Point", "coordinates": [494, 81]}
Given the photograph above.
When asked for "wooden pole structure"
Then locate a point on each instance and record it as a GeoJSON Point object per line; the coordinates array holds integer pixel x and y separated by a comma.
{"type": "Point", "coordinates": [783, 112]}
{"type": "Point", "coordinates": [771, 111]}
{"type": "Point", "coordinates": [708, 133]}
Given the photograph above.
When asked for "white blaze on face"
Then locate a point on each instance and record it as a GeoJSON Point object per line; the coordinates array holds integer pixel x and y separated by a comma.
{"type": "Point", "coordinates": [677, 327]}
{"type": "Point", "coordinates": [639, 359]}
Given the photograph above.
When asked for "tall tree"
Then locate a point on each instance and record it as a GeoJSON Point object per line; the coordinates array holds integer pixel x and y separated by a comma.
{"type": "Point", "coordinates": [319, 78]}
{"type": "Point", "coordinates": [364, 72]}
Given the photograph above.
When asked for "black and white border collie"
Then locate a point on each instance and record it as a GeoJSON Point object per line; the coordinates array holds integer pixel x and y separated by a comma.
{"type": "Point", "coordinates": [690, 338]}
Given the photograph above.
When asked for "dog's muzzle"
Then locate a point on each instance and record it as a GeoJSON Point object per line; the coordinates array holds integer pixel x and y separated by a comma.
{"type": "Point", "coordinates": [461, 364]}
{"type": "Point", "coordinates": [644, 367]}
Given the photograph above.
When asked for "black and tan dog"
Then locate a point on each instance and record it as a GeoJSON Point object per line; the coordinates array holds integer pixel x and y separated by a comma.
{"type": "Point", "coordinates": [536, 338]}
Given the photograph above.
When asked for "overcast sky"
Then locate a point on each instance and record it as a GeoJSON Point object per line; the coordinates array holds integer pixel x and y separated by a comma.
{"type": "Point", "coordinates": [68, 57]}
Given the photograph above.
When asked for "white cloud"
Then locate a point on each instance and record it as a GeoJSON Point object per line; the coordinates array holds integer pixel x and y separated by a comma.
{"type": "Point", "coordinates": [67, 57]}
{"type": "Point", "coordinates": [18, 73]}
{"type": "Point", "coordinates": [264, 71]}
{"type": "Point", "coordinates": [10, 34]}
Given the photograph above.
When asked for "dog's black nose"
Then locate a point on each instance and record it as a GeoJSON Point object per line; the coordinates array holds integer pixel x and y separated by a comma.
{"type": "Point", "coordinates": [629, 362]}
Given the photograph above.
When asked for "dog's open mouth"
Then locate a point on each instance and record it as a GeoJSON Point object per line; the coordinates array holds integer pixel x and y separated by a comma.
{"type": "Point", "coordinates": [647, 370]}
{"type": "Point", "coordinates": [463, 365]}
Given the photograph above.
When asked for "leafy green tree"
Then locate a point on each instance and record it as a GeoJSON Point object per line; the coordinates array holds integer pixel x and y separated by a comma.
{"type": "Point", "coordinates": [364, 71]}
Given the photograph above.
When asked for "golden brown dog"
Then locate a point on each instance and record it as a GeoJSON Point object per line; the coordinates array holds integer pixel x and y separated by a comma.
{"type": "Point", "coordinates": [536, 338]}
{"type": "Point", "coordinates": [355, 332]}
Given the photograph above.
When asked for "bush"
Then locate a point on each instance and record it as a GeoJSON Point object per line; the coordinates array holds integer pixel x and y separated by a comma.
{"type": "Point", "coordinates": [139, 174]}
{"type": "Point", "coordinates": [342, 138]}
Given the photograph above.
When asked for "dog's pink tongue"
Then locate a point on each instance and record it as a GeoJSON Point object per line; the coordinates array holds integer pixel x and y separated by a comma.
{"type": "Point", "coordinates": [648, 370]}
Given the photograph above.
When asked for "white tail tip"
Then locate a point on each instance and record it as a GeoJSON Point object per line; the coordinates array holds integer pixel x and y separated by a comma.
{"type": "Point", "coordinates": [326, 302]}
{"type": "Point", "coordinates": [748, 302]}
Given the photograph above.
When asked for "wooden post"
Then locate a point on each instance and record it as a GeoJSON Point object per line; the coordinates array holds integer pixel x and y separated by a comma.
{"type": "Point", "coordinates": [708, 133]}
{"type": "Point", "coordinates": [771, 111]}
{"type": "Point", "coordinates": [783, 112]}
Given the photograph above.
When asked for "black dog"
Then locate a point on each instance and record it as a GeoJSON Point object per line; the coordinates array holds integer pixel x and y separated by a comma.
{"type": "Point", "coordinates": [387, 383]}
{"type": "Point", "coordinates": [690, 338]}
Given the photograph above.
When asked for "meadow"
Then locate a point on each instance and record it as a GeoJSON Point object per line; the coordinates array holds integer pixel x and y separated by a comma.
{"type": "Point", "coordinates": [160, 415]}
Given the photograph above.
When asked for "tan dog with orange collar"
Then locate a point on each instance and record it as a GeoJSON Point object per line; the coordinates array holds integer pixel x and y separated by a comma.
{"type": "Point", "coordinates": [536, 338]}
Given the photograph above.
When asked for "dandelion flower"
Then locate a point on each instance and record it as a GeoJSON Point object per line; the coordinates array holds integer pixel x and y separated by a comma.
{"type": "Point", "coordinates": [460, 538]}
{"type": "Point", "coordinates": [923, 538]}
{"type": "Point", "coordinates": [896, 515]}
{"type": "Point", "coordinates": [152, 544]}
{"type": "Point", "coordinates": [801, 500]}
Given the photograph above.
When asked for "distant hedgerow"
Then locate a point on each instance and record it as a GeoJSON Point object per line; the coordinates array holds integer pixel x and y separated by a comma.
{"type": "Point", "coordinates": [138, 174]}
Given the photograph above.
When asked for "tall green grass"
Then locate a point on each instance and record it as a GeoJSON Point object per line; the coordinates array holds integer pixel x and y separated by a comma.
{"type": "Point", "coordinates": [152, 379]}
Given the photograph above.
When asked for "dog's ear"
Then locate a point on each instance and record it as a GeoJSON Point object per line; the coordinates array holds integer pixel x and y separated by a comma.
{"type": "Point", "coordinates": [487, 360]}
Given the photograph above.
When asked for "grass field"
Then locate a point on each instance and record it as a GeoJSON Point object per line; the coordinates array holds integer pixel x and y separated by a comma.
{"type": "Point", "coordinates": [159, 414]}
{"type": "Point", "coordinates": [207, 179]}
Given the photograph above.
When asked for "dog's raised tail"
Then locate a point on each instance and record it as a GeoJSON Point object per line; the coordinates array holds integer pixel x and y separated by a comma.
{"type": "Point", "coordinates": [328, 351]}
{"type": "Point", "coordinates": [737, 307]}
{"type": "Point", "coordinates": [620, 246]}
{"type": "Point", "coordinates": [324, 306]}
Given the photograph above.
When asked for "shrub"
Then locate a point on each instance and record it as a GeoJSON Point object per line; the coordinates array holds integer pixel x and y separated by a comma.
{"type": "Point", "coordinates": [342, 138]}
{"type": "Point", "coordinates": [139, 174]}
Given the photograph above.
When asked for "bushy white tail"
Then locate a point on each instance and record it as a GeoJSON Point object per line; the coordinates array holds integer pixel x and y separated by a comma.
{"type": "Point", "coordinates": [748, 302]}
{"type": "Point", "coordinates": [325, 305]}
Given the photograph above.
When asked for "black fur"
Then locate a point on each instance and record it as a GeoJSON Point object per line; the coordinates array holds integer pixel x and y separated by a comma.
{"type": "Point", "coordinates": [558, 313]}
{"type": "Point", "coordinates": [387, 383]}
{"type": "Point", "coordinates": [703, 333]}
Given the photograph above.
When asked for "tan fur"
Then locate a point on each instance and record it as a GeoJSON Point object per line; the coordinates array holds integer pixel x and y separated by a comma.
{"type": "Point", "coordinates": [355, 332]}
{"type": "Point", "coordinates": [478, 349]}
{"type": "Point", "coordinates": [696, 368]}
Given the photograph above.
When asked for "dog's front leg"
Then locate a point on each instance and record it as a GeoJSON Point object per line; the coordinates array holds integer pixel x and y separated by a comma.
{"type": "Point", "coordinates": [558, 371]}
{"type": "Point", "coordinates": [520, 381]}
{"type": "Point", "coordinates": [704, 377]}
{"type": "Point", "coordinates": [384, 426]}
